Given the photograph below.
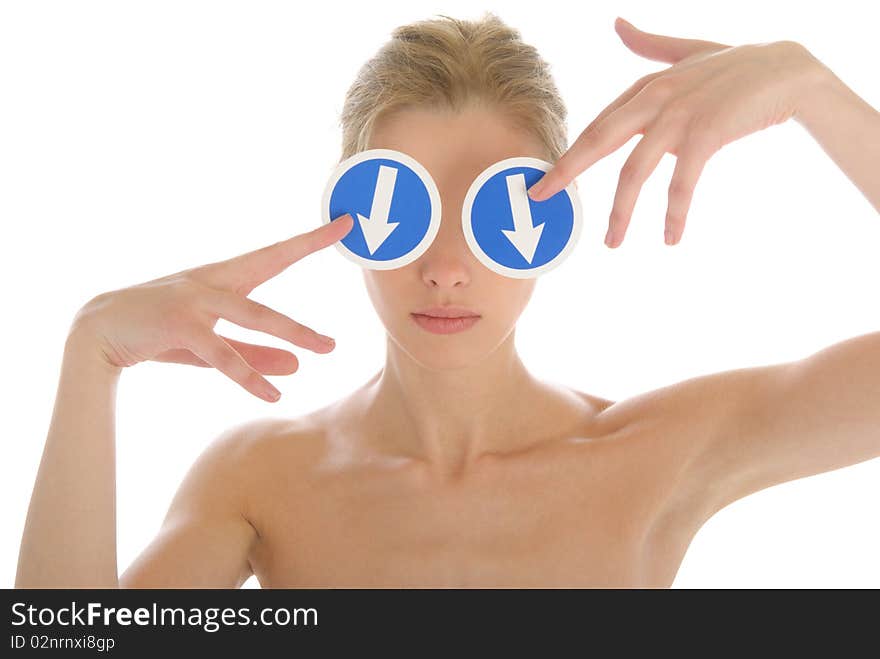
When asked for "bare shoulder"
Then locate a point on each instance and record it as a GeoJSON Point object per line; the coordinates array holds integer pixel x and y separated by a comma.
{"type": "Point", "coordinates": [281, 450]}
{"type": "Point", "coordinates": [207, 535]}
{"type": "Point", "coordinates": [673, 433]}
{"type": "Point", "coordinates": [592, 404]}
{"type": "Point", "coordinates": [691, 409]}
{"type": "Point", "coordinates": [239, 451]}
{"type": "Point", "coordinates": [248, 448]}
{"type": "Point", "coordinates": [736, 432]}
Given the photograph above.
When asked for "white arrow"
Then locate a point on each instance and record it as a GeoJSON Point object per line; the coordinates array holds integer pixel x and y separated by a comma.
{"type": "Point", "coordinates": [376, 227]}
{"type": "Point", "coordinates": [524, 236]}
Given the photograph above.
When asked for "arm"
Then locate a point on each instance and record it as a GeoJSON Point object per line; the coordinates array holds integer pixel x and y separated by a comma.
{"type": "Point", "coordinates": [777, 423]}
{"type": "Point", "coordinates": [712, 95]}
{"type": "Point", "coordinates": [205, 539]}
{"type": "Point", "coordinates": [848, 130]}
{"type": "Point", "coordinates": [786, 421]}
{"type": "Point", "coordinates": [69, 538]}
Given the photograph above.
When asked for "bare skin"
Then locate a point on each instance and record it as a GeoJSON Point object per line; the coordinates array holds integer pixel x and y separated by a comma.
{"type": "Point", "coordinates": [577, 502]}
{"type": "Point", "coordinates": [453, 466]}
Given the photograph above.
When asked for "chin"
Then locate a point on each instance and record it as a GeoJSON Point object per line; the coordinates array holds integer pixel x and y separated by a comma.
{"type": "Point", "coordinates": [443, 360]}
{"type": "Point", "coordinates": [446, 352]}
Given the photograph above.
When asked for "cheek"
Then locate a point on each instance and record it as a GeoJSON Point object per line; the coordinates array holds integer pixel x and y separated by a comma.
{"type": "Point", "coordinates": [383, 287]}
{"type": "Point", "coordinates": [513, 295]}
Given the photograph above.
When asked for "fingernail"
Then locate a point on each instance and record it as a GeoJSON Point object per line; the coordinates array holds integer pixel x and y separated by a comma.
{"type": "Point", "coordinates": [609, 237]}
{"type": "Point", "coordinates": [329, 341]}
{"type": "Point", "coordinates": [668, 236]}
{"type": "Point", "coordinates": [271, 393]}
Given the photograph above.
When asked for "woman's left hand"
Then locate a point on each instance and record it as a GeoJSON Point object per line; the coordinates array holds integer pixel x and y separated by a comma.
{"type": "Point", "coordinates": [712, 95]}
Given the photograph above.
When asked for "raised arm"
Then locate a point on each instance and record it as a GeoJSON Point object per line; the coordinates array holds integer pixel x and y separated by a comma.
{"type": "Point", "coordinates": [735, 432]}
{"type": "Point", "coordinates": [69, 539]}
{"type": "Point", "coordinates": [770, 424]}
{"type": "Point", "coordinates": [776, 423]}
{"type": "Point", "coordinates": [822, 412]}
{"type": "Point", "coordinates": [712, 95]}
{"type": "Point", "coordinates": [848, 129]}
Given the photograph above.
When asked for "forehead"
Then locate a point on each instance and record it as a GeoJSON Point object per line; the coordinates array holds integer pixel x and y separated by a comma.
{"type": "Point", "coordinates": [451, 142]}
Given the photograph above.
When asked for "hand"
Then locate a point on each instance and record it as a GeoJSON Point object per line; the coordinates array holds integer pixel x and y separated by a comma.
{"type": "Point", "coordinates": [712, 95]}
{"type": "Point", "coordinates": [171, 319]}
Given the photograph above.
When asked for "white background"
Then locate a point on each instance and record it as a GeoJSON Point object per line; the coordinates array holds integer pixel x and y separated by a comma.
{"type": "Point", "coordinates": [138, 139]}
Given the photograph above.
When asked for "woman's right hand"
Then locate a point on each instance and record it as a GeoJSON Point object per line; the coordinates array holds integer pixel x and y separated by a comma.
{"type": "Point", "coordinates": [171, 319]}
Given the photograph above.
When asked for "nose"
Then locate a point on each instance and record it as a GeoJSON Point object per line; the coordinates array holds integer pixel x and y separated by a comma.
{"type": "Point", "coordinates": [445, 273]}
{"type": "Point", "coordinates": [445, 264]}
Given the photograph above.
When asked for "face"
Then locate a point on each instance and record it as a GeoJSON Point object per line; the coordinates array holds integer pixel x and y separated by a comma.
{"type": "Point", "coordinates": [454, 148]}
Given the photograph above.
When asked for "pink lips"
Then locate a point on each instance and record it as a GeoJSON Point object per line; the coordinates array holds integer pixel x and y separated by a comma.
{"type": "Point", "coordinates": [445, 320]}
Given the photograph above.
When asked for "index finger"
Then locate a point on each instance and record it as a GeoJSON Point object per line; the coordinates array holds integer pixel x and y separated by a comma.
{"type": "Point", "coordinates": [596, 141]}
{"type": "Point", "coordinates": [245, 272]}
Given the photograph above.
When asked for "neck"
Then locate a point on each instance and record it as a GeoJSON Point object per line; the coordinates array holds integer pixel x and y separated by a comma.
{"type": "Point", "coordinates": [450, 417]}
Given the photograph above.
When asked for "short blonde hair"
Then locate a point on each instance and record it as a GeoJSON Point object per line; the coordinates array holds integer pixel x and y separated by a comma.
{"type": "Point", "coordinates": [450, 63]}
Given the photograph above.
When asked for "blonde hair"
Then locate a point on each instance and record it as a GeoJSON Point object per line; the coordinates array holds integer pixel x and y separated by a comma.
{"type": "Point", "coordinates": [449, 63]}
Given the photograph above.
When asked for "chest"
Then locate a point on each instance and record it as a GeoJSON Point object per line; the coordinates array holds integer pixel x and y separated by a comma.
{"type": "Point", "coordinates": [541, 523]}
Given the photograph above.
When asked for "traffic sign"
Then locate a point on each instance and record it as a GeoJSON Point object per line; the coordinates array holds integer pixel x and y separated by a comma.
{"type": "Point", "coordinates": [394, 202]}
{"type": "Point", "coordinates": [512, 234]}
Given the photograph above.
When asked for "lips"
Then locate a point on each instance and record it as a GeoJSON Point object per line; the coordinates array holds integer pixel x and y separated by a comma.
{"type": "Point", "coordinates": [447, 312]}
{"type": "Point", "coordinates": [445, 320]}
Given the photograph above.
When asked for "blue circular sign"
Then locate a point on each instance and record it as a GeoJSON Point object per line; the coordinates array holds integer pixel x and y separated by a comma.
{"type": "Point", "coordinates": [511, 234]}
{"type": "Point", "coordinates": [395, 205]}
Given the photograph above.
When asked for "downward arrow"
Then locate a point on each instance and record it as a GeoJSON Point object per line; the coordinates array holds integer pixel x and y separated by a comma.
{"type": "Point", "coordinates": [376, 227]}
{"type": "Point", "coordinates": [524, 236]}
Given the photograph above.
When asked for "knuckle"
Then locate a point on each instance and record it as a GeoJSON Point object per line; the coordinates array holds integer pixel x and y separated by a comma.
{"type": "Point", "coordinates": [674, 220]}
{"type": "Point", "coordinates": [214, 349]}
{"type": "Point", "coordinates": [182, 290]}
{"type": "Point", "coordinates": [676, 111]}
{"type": "Point", "coordinates": [593, 133]}
{"type": "Point", "coordinates": [644, 80]}
{"type": "Point", "coordinates": [299, 330]}
{"type": "Point", "coordinates": [617, 218]}
{"type": "Point", "coordinates": [253, 380]}
{"type": "Point", "coordinates": [270, 251]}
{"type": "Point", "coordinates": [261, 313]}
{"type": "Point", "coordinates": [297, 333]}
{"type": "Point", "coordinates": [227, 362]}
{"type": "Point", "coordinates": [182, 278]}
{"type": "Point", "coordinates": [260, 310]}
{"type": "Point", "coordinates": [679, 189]}
{"type": "Point", "coordinates": [660, 87]}
{"type": "Point", "coordinates": [631, 171]}
{"type": "Point", "coordinates": [202, 275]}
{"type": "Point", "coordinates": [305, 242]}
{"type": "Point", "coordinates": [702, 146]}
{"type": "Point", "coordinates": [563, 169]}
{"type": "Point", "coordinates": [701, 133]}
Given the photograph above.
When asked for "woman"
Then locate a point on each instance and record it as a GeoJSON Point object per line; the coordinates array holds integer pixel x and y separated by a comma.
{"type": "Point", "coordinates": [453, 465]}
